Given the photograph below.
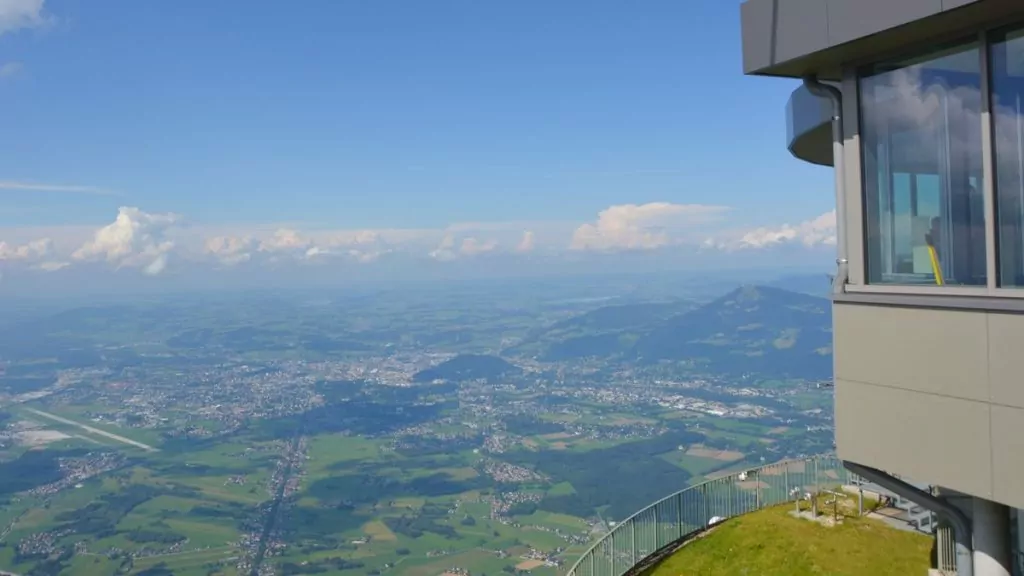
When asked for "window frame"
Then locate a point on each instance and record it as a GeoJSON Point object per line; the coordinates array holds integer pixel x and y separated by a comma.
{"type": "Point", "coordinates": [855, 178]}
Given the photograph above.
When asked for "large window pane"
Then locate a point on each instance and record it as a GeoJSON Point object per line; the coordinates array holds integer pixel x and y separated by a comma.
{"type": "Point", "coordinates": [921, 138]}
{"type": "Point", "coordinates": [1007, 65]}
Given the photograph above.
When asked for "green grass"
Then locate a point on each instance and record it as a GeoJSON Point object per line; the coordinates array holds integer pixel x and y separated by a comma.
{"type": "Point", "coordinates": [561, 489]}
{"type": "Point", "coordinates": [773, 543]}
{"type": "Point", "coordinates": [554, 520]}
{"type": "Point", "coordinates": [697, 466]}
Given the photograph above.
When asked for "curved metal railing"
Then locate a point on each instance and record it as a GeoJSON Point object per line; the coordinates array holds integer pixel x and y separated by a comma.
{"type": "Point", "coordinates": [677, 517]}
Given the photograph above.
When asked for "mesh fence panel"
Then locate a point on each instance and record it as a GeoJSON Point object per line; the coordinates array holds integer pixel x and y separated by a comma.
{"type": "Point", "coordinates": [690, 510]}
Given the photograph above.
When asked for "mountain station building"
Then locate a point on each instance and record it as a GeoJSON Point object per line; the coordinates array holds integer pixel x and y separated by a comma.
{"type": "Point", "coordinates": [918, 105]}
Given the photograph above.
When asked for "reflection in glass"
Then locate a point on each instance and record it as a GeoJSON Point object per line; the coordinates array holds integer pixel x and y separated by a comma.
{"type": "Point", "coordinates": [921, 138]}
{"type": "Point", "coordinates": [1007, 65]}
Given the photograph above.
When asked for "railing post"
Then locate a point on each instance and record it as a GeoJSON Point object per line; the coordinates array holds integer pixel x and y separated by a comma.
{"type": "Point", "coordinates": [786, 474]}
{"type": "Point", "coordinates": [632, 535]}
{"type": "Point", "coordinates": [704, 501]}
{"type": "Point", "coordinates": [592, 563]}
{"type": "Point", "coordinates": [816, 487]}
{"type": "Point", "coordinates": [679, 513]}
{"type": "Point", "coordinates": [657, 529]}
{"type": "Point", "coordinates": [612, 534]}
{"type": "Point", "coordinates": [757, 491]}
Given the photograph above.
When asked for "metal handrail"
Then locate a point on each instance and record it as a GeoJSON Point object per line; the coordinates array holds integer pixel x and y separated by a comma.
{"type": "Point", "coordinates": [679, 516]}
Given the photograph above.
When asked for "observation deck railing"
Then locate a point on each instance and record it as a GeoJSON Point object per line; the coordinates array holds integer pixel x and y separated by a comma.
{"type": "Point", "coordinates": [649, 533]}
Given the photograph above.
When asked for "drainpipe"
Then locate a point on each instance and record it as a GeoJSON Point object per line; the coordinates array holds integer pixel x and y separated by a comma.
{"type": "Point", "coordinates": [832, 93]}
{"type": "Point", "coordinates": [950, 513]}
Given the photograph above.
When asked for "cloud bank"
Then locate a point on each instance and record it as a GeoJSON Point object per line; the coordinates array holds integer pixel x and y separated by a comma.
{"type": "Point", "coordinates": [20, 14]}
{"type": "Point", "coordinates": [155, 244]}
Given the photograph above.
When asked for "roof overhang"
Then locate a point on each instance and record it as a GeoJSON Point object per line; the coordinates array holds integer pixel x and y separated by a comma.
{"type": "Point", "coordinates": [794, 38]}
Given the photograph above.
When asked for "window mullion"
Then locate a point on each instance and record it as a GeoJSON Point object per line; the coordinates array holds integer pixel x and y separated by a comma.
{"type": "Point", "coordinates": [988, 167]}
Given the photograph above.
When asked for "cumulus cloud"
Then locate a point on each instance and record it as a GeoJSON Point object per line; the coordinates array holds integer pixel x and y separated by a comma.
{"type": "Point", "coordinates": [229, 250]}
{"type": "Point", "coordinates": [135, 239]}
{"type": "Point", "coordinates": [819, 231]}
{"type": "Point", "coordinates": [365, 256]}
{"type": "Point", "coordinates": [18, 14]}
{"type": "Point", "coordinates": [449, 248]}
{"type": "Point", "coordinates": [527, 242]}
{"type": "Point", "coordinates": [473, 246]}
{"type": "Point", "coordinates": [150, 242]}
{"type": "Point", "coordinates": [353, 238]}
{"type": "Point", "coordinates": [445, 250]}
{"type": "Point", "coordinates": [32, 251]}
{"type": "Point", "coordinates": [283, 240]}
{"type": "Point", "coordinates": [641, 227]}
{"type": "Point", "coordinates": [52, 266]}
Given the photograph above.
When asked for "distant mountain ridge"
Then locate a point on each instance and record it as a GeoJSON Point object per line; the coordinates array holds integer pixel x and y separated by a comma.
{"type": "Point", "coordinates": [753, 329]}
{"type": "Point", "coordinates": [603, 332]}
{"type": "Point", "coordinates": [813, 284]}
{"type": "Point", "coordinates": [466, 367]}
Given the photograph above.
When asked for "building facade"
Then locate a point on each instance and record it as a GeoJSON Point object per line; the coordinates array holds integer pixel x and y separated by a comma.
{"type": "Point", "coordinates": [919, 107]}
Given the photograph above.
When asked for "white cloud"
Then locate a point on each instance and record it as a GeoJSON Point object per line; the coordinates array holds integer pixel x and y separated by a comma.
{"type": "Point", "coordinates": [644, 226]}
{"type": "Point", "coordinates": [450, 249]}
{"type": "Point", "coordinates": [366, 256]}
{"type": "Point", "coordinates": [472, 246]}
{"type": "Point", "coordinates": [18, 14]}
{"type": "Point", "coordinates": [8, 69]}
{"type": "Point", "coordinates": [134, 239]}
{"type": "Point", "coordinates": [229, 250]}
{"type": "Point", "coordinates": [445, 250]}
{"type": "Point", "coordinates": [819, 231]}
{"type": "Point", "coordinates": [156, 266]}
{"type": "Point", "coordinates": [314, 251]}
{"type": "Point", "coordinates": [32, 251]}
{"type": "Point", "coordinates": [53, 265]}
{"type": "Point", "coordinates": [151, 242]}
{"type": "Point", "coordinates": [527, 243]}
{"type": "Point", "coordinates": [284, 239]}
{"type": "Point", "coordinates": [39, 187]}
{"type": "Point", "coordinates": [353, 238]}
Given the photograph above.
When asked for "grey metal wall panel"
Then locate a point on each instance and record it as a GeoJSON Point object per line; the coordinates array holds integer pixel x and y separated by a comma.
{"type": "Point", "coordinates": [757, 18]}
{"type": "Point", "coordinates": [849, 20]}
{"type": "Point", "coordinates": [1006, 363]}
{"type": "Point", "coordinates": [928, 351]}
{"type": "Point", "coordinates": [802, 28]}
{"type": "Point", "coordinates": [928, 438]}
{"type": "Point", "coordinates": [932, 394]}
{"type": "Point", "coordinates": [951, 4]}
{"type": "Point", "coordinates": [1008, 455]}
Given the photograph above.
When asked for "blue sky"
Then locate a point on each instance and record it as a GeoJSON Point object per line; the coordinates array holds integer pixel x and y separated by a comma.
{"type": "Point", "coordinates": [248, 119]}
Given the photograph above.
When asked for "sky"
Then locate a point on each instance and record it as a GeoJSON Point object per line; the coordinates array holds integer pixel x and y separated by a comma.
{"type": "Point", "coordinates": [225, 143]}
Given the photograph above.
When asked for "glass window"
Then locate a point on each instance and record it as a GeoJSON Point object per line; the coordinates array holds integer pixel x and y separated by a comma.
{"type": "Point", "coordinates": [1007, 65]}
{"type": "Point", "coordinates": [921, 138]}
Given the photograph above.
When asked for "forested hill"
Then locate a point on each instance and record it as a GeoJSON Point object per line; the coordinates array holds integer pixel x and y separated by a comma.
{"type": "Point", "coordinates": [754, 329]}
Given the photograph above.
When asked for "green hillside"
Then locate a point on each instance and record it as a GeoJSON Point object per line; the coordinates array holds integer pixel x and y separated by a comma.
{"type": "Point", "coordinates": [774, 543]}
{"type": "Point", "coordinates": [604, 332]}
{"type": "Point", "coordinates": [754, 329]}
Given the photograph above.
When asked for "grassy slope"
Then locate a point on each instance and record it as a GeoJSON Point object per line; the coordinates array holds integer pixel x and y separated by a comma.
{"type": "Point", "coordinates": [770, 543]}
